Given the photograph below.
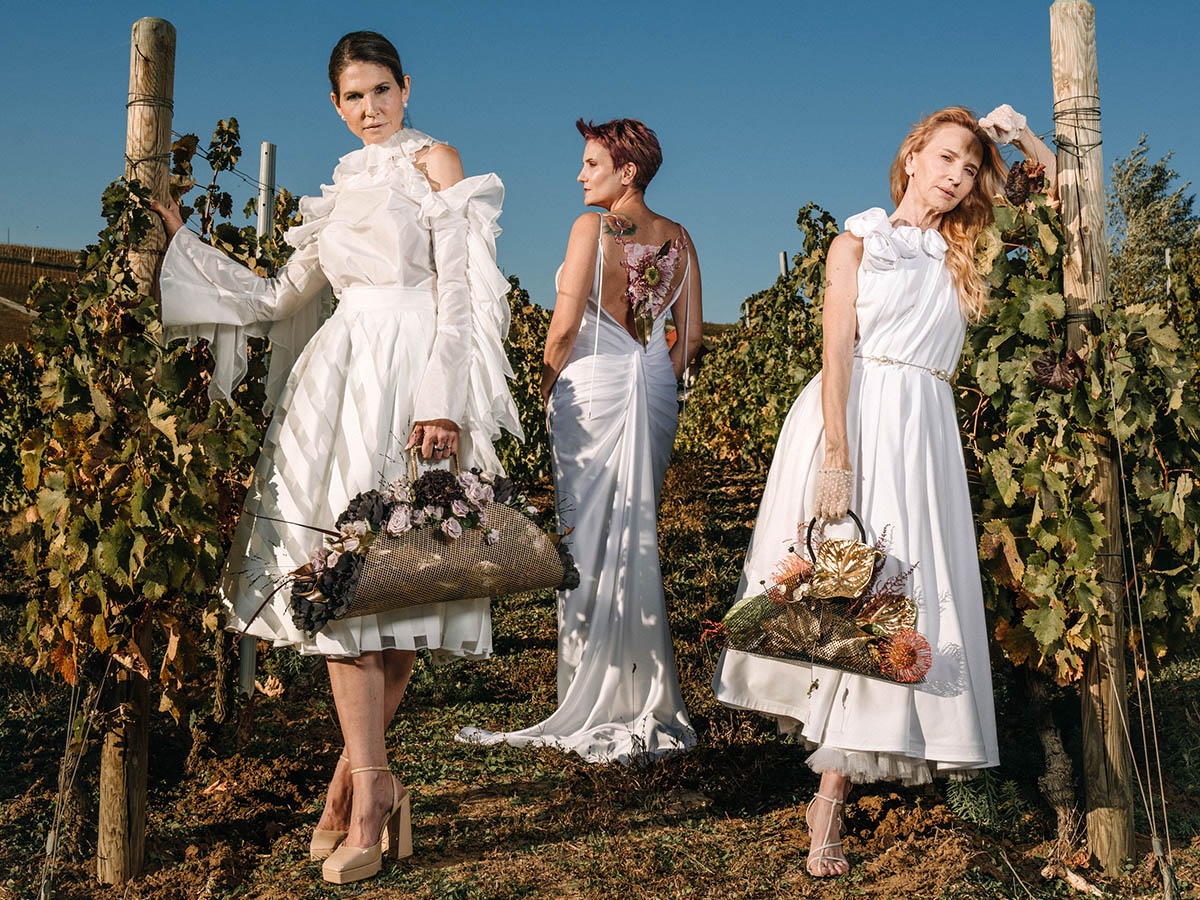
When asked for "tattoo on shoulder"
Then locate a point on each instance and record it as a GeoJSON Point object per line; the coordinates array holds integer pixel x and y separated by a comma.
{"type": "Point", "coordinates": [618, 226]}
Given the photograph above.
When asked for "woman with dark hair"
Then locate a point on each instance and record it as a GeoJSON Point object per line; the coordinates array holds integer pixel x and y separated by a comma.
{"type": "Point", "coordinates": [876, 432]}
{"type": "Point", "coordinates": [407, 245]}
{"type": "Point", "coordinates": [609, 381]}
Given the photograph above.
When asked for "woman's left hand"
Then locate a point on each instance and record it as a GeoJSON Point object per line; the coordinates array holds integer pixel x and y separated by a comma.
{"type": "Point", "coordinates": [1003, 124]}
{"type": "Point", "coordinates": [438, 439]}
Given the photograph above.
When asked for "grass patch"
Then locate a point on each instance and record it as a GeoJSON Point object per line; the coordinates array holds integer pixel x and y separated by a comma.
{"type": "Point", "coordinates": [724, 821]}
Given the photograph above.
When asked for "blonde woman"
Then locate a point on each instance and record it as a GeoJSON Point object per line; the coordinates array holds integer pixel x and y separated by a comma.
{"type": "Point", "coordinates": [876, 432]}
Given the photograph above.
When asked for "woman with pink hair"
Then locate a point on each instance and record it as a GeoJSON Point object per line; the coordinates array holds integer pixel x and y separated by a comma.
{"type": "Point", "coordinates": [609, 381]}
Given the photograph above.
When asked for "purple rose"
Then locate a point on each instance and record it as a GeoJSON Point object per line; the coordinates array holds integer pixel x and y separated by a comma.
{"type": "Point", "coordinates": [418, 518]}
{"type": "Point", "coordinates": [478, 492]}
{"type": "Point", "coordinates": [459, 508]}
{"type": "Point", "coordinates": [400, 520]}
{"type": "Point", "coordinates": [452, 529]}
{"type": "Point", "coordinates": [319, 560]}
{"type": "Point", "coordinates": [401, 490]}
{"type": "Point", "coordinates": [356, 529]}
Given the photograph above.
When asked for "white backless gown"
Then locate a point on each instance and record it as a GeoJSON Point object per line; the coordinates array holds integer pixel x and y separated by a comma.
{"type": "Point", "coordinates": [417, 335]}
{"type": "Point", "coordinates": [612, 416]}
{"type": "Point", "coordinates": [910, 478]}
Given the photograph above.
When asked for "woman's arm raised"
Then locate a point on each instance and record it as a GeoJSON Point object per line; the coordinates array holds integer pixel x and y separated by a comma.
{"type": "Point", "coordinates": [1005, 125]}
{"type": "Point", "coordinates": [839, 324]}
{"type": "Point", "coordinates": [201, 285]}
{"type": "Point", "coordinates": [574, 285]}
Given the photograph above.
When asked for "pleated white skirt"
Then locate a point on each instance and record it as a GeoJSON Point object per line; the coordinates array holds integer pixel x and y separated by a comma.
{"type": "Point", "coordinates": [340, 428]}
{"type": "Point", "coordinates": [911, 481]}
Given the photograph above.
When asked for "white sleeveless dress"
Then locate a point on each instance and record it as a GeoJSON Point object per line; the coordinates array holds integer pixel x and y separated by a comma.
{"type": "Point", "coordinates": [910, 478]}
{"type": "Point", "coordinates": [612, 416]}
{"type": "Point", "coordinates": [418, 294]}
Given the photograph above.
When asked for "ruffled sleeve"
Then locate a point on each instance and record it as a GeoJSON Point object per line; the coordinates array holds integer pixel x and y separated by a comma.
{"type": "Point", "coordinates": [472, 307]}
{"type": "Point", "coordinates": [205, 294]}
{"type": "Point", "coordinates": [879, 253]}
{"type": "Point", "coordinates": [885, 244]}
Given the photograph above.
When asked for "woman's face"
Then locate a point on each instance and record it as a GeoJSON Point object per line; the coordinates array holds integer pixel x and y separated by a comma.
{"type": "Point", "coordinates": [371, 101]}
{"type": "Point", "coordinates": [602, 184]}
{"type": "Point", "coordinates": [943, 173]}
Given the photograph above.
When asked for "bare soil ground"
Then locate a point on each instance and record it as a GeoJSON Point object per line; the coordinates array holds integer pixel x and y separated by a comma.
{"type": "Point", "coordinates": [232, 816]}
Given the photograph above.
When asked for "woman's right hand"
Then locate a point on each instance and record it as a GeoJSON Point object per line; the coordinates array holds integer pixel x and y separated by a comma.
{"type": "Point", "coordinates": [835, 489]}
{"type": "Point", "coordinates": [171, 218]}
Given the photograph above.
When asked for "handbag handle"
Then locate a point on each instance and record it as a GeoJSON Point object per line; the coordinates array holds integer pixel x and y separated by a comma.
{"type": "Point", "coordinates": [412, 462]}
{"type": "Point", "coordinates": [862, 532]}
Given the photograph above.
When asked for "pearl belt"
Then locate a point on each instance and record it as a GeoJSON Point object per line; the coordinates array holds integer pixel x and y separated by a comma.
{"type": "Point", "coordinates": [888, 361]}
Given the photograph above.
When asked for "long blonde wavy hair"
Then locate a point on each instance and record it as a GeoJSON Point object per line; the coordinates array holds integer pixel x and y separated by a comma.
{"type": "Point", "coordinates": [962, 225]}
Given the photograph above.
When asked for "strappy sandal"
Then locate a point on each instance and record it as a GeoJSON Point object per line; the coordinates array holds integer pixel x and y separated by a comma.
{"type": "Point", "coordinates": [348, 864]}
{"type": "Point", "coordinates": [326, 840]}
{"type": "Point", "coordinates": [817, 854]}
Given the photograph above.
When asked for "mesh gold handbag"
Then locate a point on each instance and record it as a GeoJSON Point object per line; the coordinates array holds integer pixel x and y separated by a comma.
{"type": "Point", "coordinates": [832, 610]}
{"type": "Point", "coordinates": [432, 538]}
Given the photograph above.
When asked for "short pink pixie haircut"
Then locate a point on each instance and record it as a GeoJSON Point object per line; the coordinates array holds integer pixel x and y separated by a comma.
{"type": "Point", "coordinates": [628, 141]}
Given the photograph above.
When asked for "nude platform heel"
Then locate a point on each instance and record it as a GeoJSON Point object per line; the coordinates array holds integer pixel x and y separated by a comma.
{"type": "Point", "coordinates": [347, 864]}
{"type": "Point", "coordinates": [325, 840]}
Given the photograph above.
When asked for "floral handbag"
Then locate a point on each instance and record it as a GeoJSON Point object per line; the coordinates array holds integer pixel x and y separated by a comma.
{"type": "Point", "coordinates": [834, 610]}
{"type": "Point", "coordinates": [430, 538]}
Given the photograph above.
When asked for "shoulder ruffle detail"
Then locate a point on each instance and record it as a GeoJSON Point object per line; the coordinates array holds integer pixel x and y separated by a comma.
{"type": "Point", "coordinates": [314, 214]}
{"type": "Point", "coordinates": [885, 244]}
{"type": "Point", "coordinates": [370, 166]}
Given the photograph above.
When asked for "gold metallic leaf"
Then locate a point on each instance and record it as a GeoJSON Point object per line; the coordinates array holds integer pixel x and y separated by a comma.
{"type": "Point", "coordinates": [822, 634]}
{"type": "Point", "coordinates": [843, 569]}
{"type": "Point", "coordinates": [891, 614]}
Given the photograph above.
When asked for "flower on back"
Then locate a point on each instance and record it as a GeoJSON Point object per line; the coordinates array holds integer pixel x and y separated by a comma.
{"type": "Point", "coordinates": [650, 270]}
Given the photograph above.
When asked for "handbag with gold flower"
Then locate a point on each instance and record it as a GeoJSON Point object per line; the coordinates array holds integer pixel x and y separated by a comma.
{"type": "Point", "coordinates": [834, 609]}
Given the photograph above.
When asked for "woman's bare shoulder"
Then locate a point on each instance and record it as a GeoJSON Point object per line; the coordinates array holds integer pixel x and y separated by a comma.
{"type": "Point", "coordinates": [846, 247]}
{"type": "Point", "coordinates": [441, 164]}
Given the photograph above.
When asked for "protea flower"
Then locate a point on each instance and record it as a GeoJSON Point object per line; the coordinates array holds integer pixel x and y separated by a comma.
{"type": "Point", "coordinates": [905, 656]}
{"type": "Point", "coordinates": [792, 568]}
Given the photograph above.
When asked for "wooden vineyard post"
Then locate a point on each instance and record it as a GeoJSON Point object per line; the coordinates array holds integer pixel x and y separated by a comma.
{"type": "Point", "coordinates": [1107, 766]}
{"type": "Point", "coordinates": [121, 832]}
{"type": "Point", "coordinates": [148, 129]}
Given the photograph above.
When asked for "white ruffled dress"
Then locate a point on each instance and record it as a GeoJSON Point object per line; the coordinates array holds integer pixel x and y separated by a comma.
{"type": "Point", "coordinates": [417, 335]}
{"type": "Point", "coordinates": [910, 478]}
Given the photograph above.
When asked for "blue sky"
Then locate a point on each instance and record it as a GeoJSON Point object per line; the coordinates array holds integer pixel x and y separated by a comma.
{"type": "Point", "coordinates": [760, 106]}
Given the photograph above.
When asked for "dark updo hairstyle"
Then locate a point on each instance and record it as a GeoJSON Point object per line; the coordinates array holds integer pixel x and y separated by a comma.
{"type": "Point", "coordinates": [628, 141]}
{"type": "Point", "coordinates": [363, 46]}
